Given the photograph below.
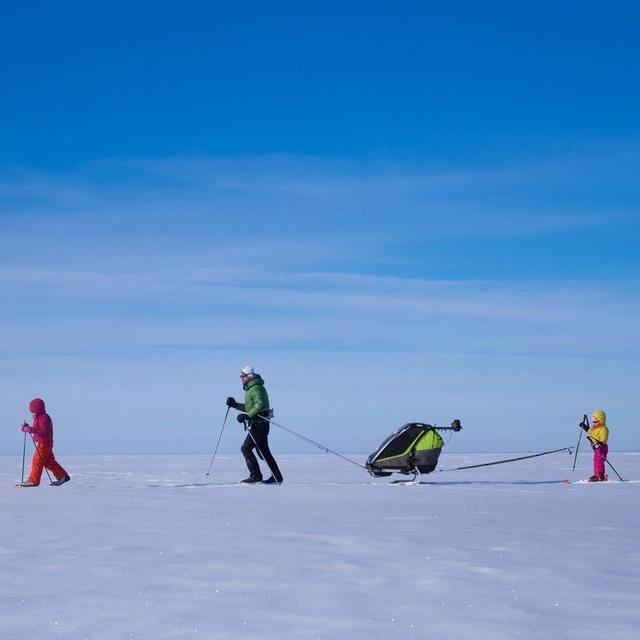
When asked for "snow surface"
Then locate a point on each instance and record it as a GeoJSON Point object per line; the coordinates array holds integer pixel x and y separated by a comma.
{"type": "Point", "coordinates": [148, 547]}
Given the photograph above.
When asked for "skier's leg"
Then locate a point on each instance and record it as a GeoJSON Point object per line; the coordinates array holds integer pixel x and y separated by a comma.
{"type": "Point", "coordinates": [599, 456]}
{"type": "Point", "coordinates": [249, 457]}
{"type": "Point", "coordinates": [271, 461]}
{"type": "Point", "coordinates": [54, 466]}
{"type": "Point", "coordinates": [262, 441]}
{"type": "Point", "coordinates": [36, 467]}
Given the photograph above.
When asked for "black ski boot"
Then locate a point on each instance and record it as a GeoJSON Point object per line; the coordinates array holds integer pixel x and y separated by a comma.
{"type": "Point", "coordinates": [57, 483]}
{"type": "Point", "coordinates": [251, 480]}
{"type": "Point", "coordinates": [272, 480]}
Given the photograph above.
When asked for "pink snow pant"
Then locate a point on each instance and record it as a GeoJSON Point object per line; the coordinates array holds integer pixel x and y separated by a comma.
{"type": "Point", "coordinates": [599, 456]}
{"type": "Point", "coordinates": [43, 457]}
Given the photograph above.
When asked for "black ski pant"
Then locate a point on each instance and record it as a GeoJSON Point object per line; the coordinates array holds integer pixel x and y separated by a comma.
{"type": "Point", "coordinates": [258, 438]}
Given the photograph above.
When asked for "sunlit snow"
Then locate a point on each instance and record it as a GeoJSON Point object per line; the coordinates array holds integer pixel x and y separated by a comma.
{"type": "Point", "coordinates": [149, 547]}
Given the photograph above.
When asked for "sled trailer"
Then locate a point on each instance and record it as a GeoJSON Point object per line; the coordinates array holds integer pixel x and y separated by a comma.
{"type": "Point", "coordinates": [413, 448]}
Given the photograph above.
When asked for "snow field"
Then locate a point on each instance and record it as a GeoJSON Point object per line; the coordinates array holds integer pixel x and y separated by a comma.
{"type": "Point", "coordinates": [148, 547]}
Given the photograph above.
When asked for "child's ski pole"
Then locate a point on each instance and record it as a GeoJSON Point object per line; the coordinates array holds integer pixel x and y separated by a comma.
{"type": "Point", "coordinates": [581, 425]}
{"type": "Point", "coordinates": [24, 451]}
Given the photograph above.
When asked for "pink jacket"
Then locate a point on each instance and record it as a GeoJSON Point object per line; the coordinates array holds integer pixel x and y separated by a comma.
{"type": "Point", "coordinates": [42, 424]}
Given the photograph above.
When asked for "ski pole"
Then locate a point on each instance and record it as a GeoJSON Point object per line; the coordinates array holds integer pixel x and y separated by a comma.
{"type": "Point", "coordinates": [619, 476]}
{"type": "Point", "coordinates": [213, 457]}
{"type": "Point", "coordinates": [24, 451]}
{"type": "Point", "coordinates": [581, 425]}
{"type": "Point", "coordinates": [575, 457]}
{"type": "Point", "coordinates": [317, 444]}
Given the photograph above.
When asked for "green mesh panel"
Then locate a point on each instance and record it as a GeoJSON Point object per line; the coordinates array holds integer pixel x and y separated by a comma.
{"type": "Point", "coordinates": [430, 440]}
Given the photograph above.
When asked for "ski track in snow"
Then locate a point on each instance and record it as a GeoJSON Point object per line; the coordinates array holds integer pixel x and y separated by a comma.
{"type": "Point", "coordinates": [149, 547]}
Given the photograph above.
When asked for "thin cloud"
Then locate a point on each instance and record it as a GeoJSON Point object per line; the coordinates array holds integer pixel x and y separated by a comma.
{"type": "Point", "coordinates": [308, 193]}
{"type": "Point", "coordinates": [325, 311]}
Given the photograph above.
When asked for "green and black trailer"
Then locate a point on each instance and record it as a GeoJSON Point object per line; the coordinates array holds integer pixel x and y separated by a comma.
{"type": "Point", "coordinates": [414, 448]}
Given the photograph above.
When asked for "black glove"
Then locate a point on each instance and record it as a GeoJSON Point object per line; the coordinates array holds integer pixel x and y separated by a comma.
{"type": "Point", "coordinates": [242, 418]}
{"type": "Point", "coordinates": [231, 402]}
{"type": "Point", "coordinates": [584, 426]}
{"type": "Point", "coordinates": [455, 425]}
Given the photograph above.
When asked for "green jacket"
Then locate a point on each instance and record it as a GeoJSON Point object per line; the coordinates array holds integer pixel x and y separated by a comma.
{"type": "Point", "coordinates": [256, 399]}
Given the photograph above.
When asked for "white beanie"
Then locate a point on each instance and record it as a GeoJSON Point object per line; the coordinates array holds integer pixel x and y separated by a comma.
{"type": "Point", "coordinates": [248, 370]}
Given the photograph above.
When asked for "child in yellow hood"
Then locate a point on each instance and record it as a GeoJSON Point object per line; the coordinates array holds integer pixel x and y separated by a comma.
{"type": "Point", "coordinates": [598, 436]}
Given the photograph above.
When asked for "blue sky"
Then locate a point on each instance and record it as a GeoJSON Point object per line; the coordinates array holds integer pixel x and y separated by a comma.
{"type": "Point", "coordinates": [395, 211]}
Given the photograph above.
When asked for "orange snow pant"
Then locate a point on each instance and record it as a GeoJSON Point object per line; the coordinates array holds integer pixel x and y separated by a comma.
{"type": "Point", "coordinates": [43, 457]}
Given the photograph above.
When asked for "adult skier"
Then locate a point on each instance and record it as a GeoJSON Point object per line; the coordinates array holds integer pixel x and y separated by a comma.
{"type": "Point", "coordinates": [598, 435]}
{"type": "Point", "coordinates": [254, 409]}
{"type": "Point", "coordinates": [42, 434]}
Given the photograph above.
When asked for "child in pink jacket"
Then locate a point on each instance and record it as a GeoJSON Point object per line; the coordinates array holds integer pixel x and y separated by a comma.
{"type": "Point", "coordinates": [42, 434]}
